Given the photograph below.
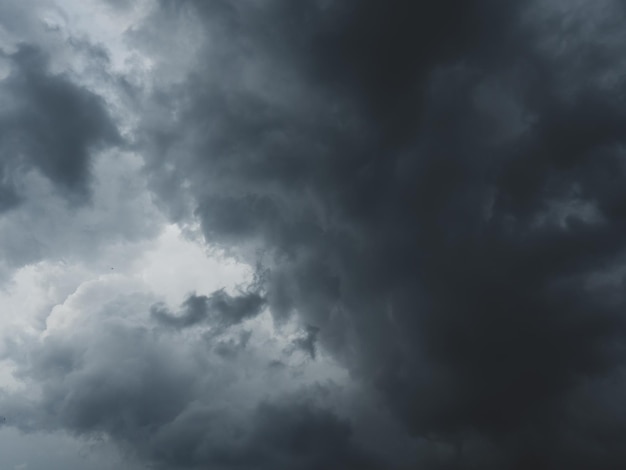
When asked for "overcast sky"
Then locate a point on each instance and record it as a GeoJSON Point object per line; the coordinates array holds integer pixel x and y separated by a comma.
{"type": "Point", "coordinates": [316, 234]}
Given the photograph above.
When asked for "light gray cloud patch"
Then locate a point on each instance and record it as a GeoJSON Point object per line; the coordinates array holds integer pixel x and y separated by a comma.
{"type": "Point", "coordinates": [307, 342]}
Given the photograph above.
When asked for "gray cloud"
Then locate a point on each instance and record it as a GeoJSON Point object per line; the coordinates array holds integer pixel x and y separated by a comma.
{"type": "Point", "coordinates": [307, 342]}
{"type": "Point", "coordinates": [169, 403]}
{"type": "Point", "coordinates": [425, 184]}
{"type": "Point", "coordinates": [435, 187]}
{"type": "Point", "coordinates": [292, 434]}
{"type": "Point", "coordinates": [64, 166]}
{"type": "Point", "coordinates": [50, 124]}
{"type": "Point", "coordinates": [220, 309]}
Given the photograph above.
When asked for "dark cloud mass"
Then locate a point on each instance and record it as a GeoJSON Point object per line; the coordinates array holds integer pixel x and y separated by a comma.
{"type": "Point", "coordinates": [221, 309]}
{"type": "Point", "coordinates": [438, 187]}
{"type": "Point", "coordinates": [50, 124]}
{"type": "Point", "coordinates": [431, 194]}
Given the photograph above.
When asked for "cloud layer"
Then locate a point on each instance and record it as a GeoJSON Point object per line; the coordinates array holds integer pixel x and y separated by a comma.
{"type": "Point", "coordinates": [430, 195]}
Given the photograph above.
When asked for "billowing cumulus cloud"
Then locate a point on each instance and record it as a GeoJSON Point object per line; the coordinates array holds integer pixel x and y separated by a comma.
{"type": "Point", "coordinates": [427, 196]}
{"type": "Point", "coordinates": [104, 368]}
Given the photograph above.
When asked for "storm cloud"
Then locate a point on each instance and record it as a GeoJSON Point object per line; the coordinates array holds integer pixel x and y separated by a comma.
{"type": "Point", "coordinates": [429, 196]}
{"type": "Point", "coordinates": [437, 187]}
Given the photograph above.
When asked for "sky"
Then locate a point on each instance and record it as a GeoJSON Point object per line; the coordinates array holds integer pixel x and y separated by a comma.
{"type": "Point", "coordinates": [323, 234]}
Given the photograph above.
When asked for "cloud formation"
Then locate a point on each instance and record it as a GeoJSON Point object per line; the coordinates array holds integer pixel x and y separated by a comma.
{"type": "Point", "coordinates": [437, 187]}
{"type": "Point", "coordinates": [430, 194]}
{"type": "Point", "coordinates": [220, 309]}
{"type": "Point", "coordinates": [105, 369]}
{"type": "Point", "coordinates": [50, 124]}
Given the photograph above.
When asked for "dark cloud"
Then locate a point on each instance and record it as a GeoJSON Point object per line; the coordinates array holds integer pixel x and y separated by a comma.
{"type": "Point", "coordinates": [293, 434]}
{"type": "Point", "coordinates": [428, 184]}
{"type": "Point", "coordinates": [50, 124]}
{"type": "Point", "coordinates": [432, 193]}
{"type": "Point", "coordinates": [220, 309]}
{"type": "Point", "coordinates": [231, 347]}
{"type": "Point", "coordinates": [305, 436]}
